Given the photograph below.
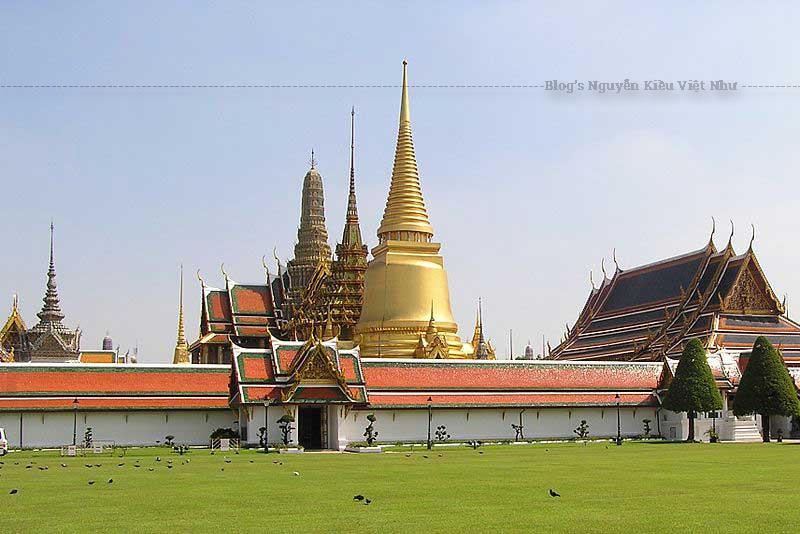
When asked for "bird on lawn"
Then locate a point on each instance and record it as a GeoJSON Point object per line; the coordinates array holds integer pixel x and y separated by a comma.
{"type": "Point", "coordinates": [553, 493]}
{"type": "Point", "coordinates": [158, 458]}
{"type": "Point", "coordinates": [43, 468]}
{"type": "Point", "coordinates": [222, 469]}
{"type": "Point", "coordinates": [120, 465]}
{"type": "Point", "coordinates": [169, 467]}
{"type": "Point", "coordinates": [150, 469]}
{"type": "Point", "coordinates": [110, 480]}
{"type": "Point", "coordinates": [408, 456]}
{"type": "Point", "coordinates": [98, 465]}
{"type": "Point", "coordinates": [424, 455]}
{"type": "Point", "coordinates": [227, 461]}
{"type": "Point", "coordinates": [295, 473]}
{"type": "Point", "coordinates": [28, 466]}
{"type": "Point", "coordinates": [274, 461]}
{"type": "Point", "coordinates": [91, 482]}
{"type": "Point", "coordinates": [63, 465]}
{"type": "Point", "coordinates": [480, 452]}
{"type": "Point", "coordinates": [136, 465]}
{"type": "Point", "coordinates": [251, 461]}
{"type": "Point", "coordinates": [358, 497]}
{"type": "Point", "coordinates": [13, 491]}
{"type": "Point", "coordinates": [367, 501]}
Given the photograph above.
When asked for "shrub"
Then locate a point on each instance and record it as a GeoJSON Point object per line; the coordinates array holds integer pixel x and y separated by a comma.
{"type": "Point", "coordinates": [517, 432]}
{"type": "Point", "coordinates": [646, 427]}
{"type": "Point", "coordinates": [441, 433]}
{"type": "Point", "coordinates": [168, 441]}
{"type": "Point", "coordinates": [370, 433]}
{"type": "Point", "coordinates": [285, 424]}
{"type": "Point", "coordinates": [88, 437]}
{"type": "Point", "coordinates": [583, 430]}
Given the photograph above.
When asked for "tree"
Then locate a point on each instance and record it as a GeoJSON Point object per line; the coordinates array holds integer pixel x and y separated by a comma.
{"type": "Point", "coordinates": [693, 389]}
{"type": "Point", "coordinates": [285, 424]}
{"type": "Point", "coordinates": [766, 387]}
{"type": "Point", "coordinates": [370, 433]}
{"type": "Point", "coordinates": [583, 430]}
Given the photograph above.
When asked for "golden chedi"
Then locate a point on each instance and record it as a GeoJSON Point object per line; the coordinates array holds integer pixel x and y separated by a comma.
{"type": "Point", "coordinates": [406, 296]}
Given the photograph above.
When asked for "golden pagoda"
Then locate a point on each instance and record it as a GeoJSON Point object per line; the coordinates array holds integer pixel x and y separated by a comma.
{"type": "Point", "coordinates": [181, 354]}
{"type": "Point", "coordinates": [406, 278]}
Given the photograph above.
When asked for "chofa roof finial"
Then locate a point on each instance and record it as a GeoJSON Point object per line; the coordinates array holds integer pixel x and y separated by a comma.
{"type": "Point", "coordinates": [603, 268]}
{"type": "Point", "coordinates": [713, 230]}
{"type": "Point", "coordinates": [752, 237]}
{"type": "Point", "coordinates": [614, 257]}
{"type": "Point", "coordinates": [730, 238]}
{"type": "Point", "coordinates": [591, 279]}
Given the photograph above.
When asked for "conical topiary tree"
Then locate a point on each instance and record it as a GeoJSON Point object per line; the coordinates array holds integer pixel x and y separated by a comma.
{"type": "Point", "coordinates": [766, 387]}
{"type": "Point", "coordinates": [693, 389]}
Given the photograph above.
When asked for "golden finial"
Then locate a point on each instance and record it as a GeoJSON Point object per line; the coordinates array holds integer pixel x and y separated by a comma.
{"type": "Point", "coordinates": [181, 354]}
{"type": "Point", "coordinates": [405, 216]}
{"type": "Point", "coordinates": [313, 161]}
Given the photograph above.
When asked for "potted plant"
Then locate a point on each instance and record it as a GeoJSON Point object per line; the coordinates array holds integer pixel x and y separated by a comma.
{"type": "Point", "coordinates": [713, 435]}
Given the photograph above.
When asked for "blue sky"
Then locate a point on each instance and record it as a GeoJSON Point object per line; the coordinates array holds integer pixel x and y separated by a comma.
{"type": "Point", "coordinates": [526, 189]}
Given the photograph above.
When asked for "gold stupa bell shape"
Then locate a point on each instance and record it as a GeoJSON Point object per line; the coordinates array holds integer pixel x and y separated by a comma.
{"type": "Point", "coordinates": [406, 275]}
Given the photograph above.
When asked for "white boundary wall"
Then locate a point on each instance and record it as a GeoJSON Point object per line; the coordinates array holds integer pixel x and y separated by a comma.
{"type": "Point", "coordinates": [124, 427]}
{"type": "Point", "coordinates": [346, 426]}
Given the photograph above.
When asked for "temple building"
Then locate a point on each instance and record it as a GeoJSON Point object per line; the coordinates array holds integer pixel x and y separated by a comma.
{"type": "Point", "coordinates": [50, 340]}
{"type": "Point", "coordinates": [343, 295]}
{"type": "Point", "coordinates": [647, 313]}
{"type": "Point", "coordinates": [405, 280]}
{"type": "Point", "coordinates": [312, 254]}
{"type": "Point", "coordinates": [315, 296]}
{"type": "Point", "coordinates": [336, 341]}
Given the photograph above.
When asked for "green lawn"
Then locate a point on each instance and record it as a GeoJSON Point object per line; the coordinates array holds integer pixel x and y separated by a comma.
{"type": "Point", "coordinates": [637, 487]}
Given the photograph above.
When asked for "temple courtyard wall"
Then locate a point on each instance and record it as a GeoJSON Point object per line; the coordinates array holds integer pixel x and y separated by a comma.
{"type": "Point", "coordinates": [346, 426]}
{"type": "Point", "coordinates": [123, 427]}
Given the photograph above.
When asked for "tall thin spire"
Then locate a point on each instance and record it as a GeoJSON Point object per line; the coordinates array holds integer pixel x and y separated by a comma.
{"type": "Point", "coordinates": [351, 235]}
{"type": "Point", "coordinates": [51, 314]}
{"type": "Point", "coordinates": [181, 355]}
{"type": "Point", "coordinates": [405, 216]}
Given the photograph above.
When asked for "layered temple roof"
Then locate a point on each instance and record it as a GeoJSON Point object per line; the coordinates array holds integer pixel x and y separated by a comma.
{"type": "Point", "coordinates": [25, 386]}
{"type": "Point", "coordinates": [648, 312]}
{"type": "Point", "coordinates": [307, 372]}
{"type": "Point", "coordinates": [242, 310]}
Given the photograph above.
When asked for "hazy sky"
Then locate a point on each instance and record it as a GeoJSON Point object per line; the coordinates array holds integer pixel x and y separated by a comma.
{"type": "Point", "coordinates": [526, 189]}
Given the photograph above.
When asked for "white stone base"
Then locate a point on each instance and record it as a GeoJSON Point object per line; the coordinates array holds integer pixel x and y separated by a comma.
{"type": "Point", "coordinates": [291, 450]}
{"type": "Point", "coordinates": [364, 450]}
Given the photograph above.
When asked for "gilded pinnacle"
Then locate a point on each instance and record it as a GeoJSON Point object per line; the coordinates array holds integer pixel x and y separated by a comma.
{"type": "Point", "coordinates": [405, 216]}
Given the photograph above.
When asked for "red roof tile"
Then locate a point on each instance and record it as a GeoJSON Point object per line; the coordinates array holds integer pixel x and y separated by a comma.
{"type": "Point", "coordinates": [412, 400]}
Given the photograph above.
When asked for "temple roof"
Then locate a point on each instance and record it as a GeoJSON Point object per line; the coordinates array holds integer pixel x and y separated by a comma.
{"type": "Point", "coordinates": [111, 386]}
{"type": "Point", "coordinates": [647, 312]}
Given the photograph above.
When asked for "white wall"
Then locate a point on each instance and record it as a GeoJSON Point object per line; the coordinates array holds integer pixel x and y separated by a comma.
{"type": "Point", "coordinates": [494, 423]}
{"type": "Point", "coordinates": [54, 429]}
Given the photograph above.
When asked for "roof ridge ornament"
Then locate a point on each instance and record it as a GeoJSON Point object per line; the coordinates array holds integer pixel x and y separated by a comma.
{"type": "Point", "coordinates": [752, 238]}
{"type": "Point", "coordinates": [614, 256]}
{"type": "Point", "coordinates": [730, 238]}
{"type": "Point", "coordinates": [591, 279]}
{"type": "Point", "coordinates": [603, 268]}
{"type": "Point", "coordinates": [713, 230]}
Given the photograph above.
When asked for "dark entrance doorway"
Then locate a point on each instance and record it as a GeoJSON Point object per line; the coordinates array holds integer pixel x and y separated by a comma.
{"type": "Point", "coordinates": [309, 427]}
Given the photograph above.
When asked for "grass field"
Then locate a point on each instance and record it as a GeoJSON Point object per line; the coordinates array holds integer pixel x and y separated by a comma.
{"type": "Point", "coordinates": [637, 487]}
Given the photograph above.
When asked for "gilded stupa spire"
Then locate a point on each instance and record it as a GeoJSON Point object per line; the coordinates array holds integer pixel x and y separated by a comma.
{"type": "Point", "coordinates": [181, 355]}
{"type": "Point", "coordinates": [405, 217]}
